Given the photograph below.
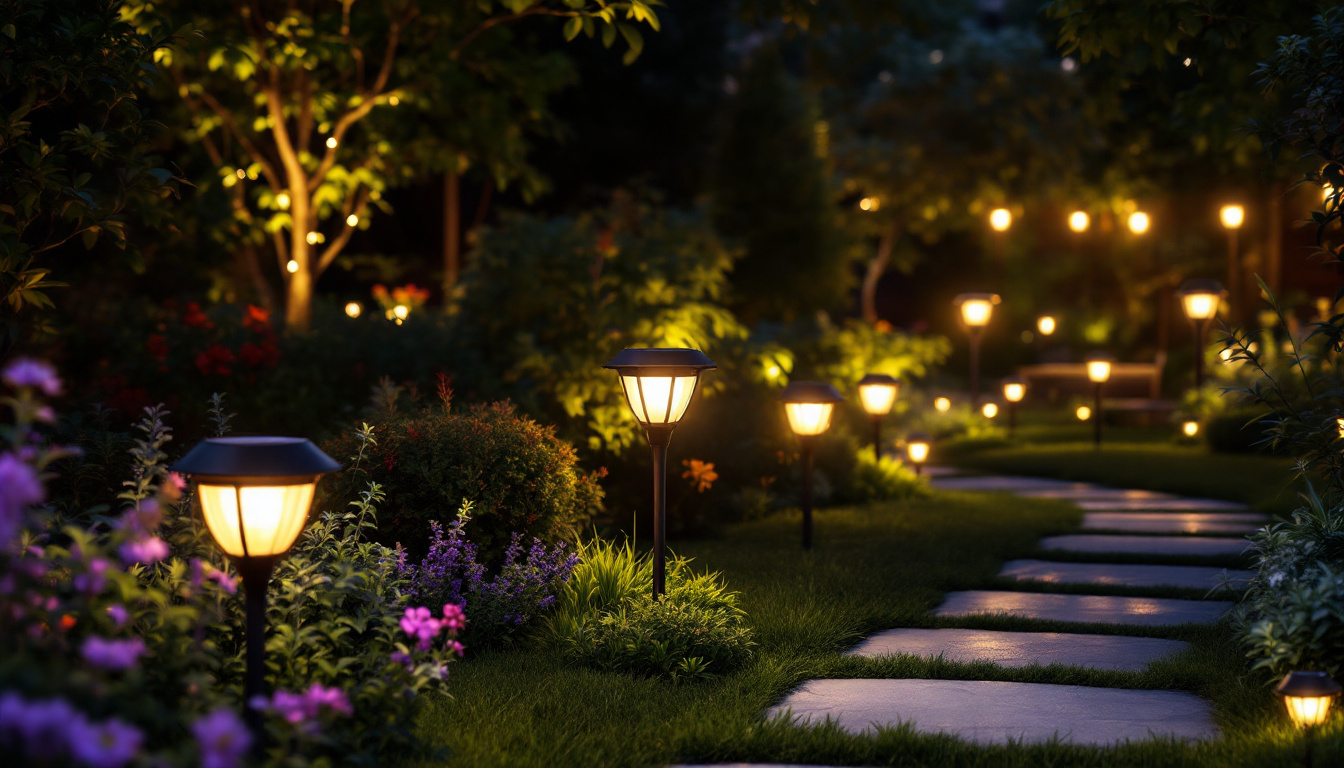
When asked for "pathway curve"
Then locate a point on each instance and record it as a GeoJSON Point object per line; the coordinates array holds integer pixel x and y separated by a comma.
{"type": "Point", "coordinates": [1181, 533]}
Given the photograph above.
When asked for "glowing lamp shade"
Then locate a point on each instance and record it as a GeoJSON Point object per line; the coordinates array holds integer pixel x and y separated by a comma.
{"type": "Point", "coordinates": [1000, 219]}
{"type": "Point", "coordinates": [1046, 325]}
{"type": "Point", "coordinates": [1201, 298]}
{"type": "Point", "coordinates": [976, 308]}
{"type": "Point", "coordinates": [878, 393]}
{"type": "Point", "coordinates": [1308, 696]}
{"type": "Point", "coordinates": [990, 410]}
{"type": "Point", "coordinates": [659, 383]}
{"type": "Point", "coordinates": [1014, 389]}
{"type": "Point", "coordinates": [942, 404]}
{"type": "Point", "coordinates": [917, 447]}
{"type": "Point", "coordinates": [354, 309]}
{"type": "Point", "coordinates": [1098, 368]}
{"type": "Point", "coordinates": [808, 406]}
{"type": "Point", "coordinates": [1083, 413]}
{"type": "Point", "coordinates": [1139, 222]}
{"type": "Point", "coordinates": [255, 492]}
{"type": "Point", "coordinates": [1232, 216]}
{"type": "Point", "coordinates": [1079, 221]}
{"type": "Point", "coordinates": [1190, 427]}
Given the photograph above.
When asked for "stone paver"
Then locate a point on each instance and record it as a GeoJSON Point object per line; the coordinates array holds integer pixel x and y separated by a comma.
{"type": "Point", "coordinates": [1141, 611]}
{"type": "Point", "coordinates": [1099, 543]}
{"type": "Point", "coordinates": [1083, 492]}
{"type": "Point", "coordinates": [747, 765]}
{"type": "Point", "coordinates": [1021, 649]}
{"type": "Point", "coordinates": [1161, 505]}
{"type": "Point", "coordinates": [1113, 574]}
{"type": "Point", "coordinates": [1174, 522]}
{"type": "Point", "coordinates": [987, 712]}
{"type": "Point", "coordinates": [1003, 483]}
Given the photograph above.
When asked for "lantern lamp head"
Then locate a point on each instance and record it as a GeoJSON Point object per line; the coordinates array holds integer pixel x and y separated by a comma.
{"type": "Point", "coordinates": [1190, 427]}
{"type": "Point", "coordinates": [1139, 222]}
{"type": "Point", "coordinates": [878, 393]}
{"type": "Point", "coordinates": [1200, 298]}
{"type": "Point", "coordinates": [1000, 219]}
{"type": "Point", "coordinates": [976, 308]}
{"type": "Point", "coordinates": [917, 447]}
{"type": "Point", "coordinates": [808, 405]}
{"type": "Point", "coordinates": [1014, 389]}
{"type": "Point", "coordinates": [1099, 367]}
{"type": "Point", "coordinates": [1232, 216]}
{"type": "Point", "coordinates": [1308, 695]}
{"type": "Point", "coordinates": [255, 491]}
{"type": "Point", "coordinates": [658, 383]}
{"type": "Point", "coordinates": [1046, 325]}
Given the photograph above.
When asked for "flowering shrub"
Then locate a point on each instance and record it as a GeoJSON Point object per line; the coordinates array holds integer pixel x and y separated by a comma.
{"type": "Point", "coordinates": [607, 617]}
{"type": "Point", "coordinates": [520, 478]}
{"type": "Point", "coordinates": [122, 638]}
{"type": "Point", "coordinates": [523, 588]}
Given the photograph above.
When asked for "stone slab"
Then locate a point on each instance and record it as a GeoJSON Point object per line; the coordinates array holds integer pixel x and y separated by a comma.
{"type": "Point", "coordinates": [1117, 575]}
{"type": "Point", "coordinates": [1003, 483]}
{"type": "Point", "coordinates": [986, 712]}
{"type": "Point", "coordinates": [1021, 649]}
{"type": "Point", "coordinates": [1101, 543]}
{"type": "Point", "coordinates": [747, 765]}
{"type": "Point", "coordinates": [1084, 609]}
{"type": "Point", "coordinates": [1094, 493]}
{"type": "Point", "coordinates": [1174, 522]}
{"type": "Point", "coordinates": [1161, 505]}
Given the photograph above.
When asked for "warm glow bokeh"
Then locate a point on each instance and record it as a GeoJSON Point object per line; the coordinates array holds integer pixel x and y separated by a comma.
{"type": "Point", "coordinates": [878, 399]}
{"type": "Point", "coordinates": [809, 418]}
{"type": "Point", "coordinates": [918, 452]}
{"type": "Point", "coordinates": [1098, 371]}
{"type": "Point", "coordinates": [942, 405]}
{"type": "Point", "coordinates": [1201, 306]}
{"type": "Point", "coordinates": [1000, 219]}
{"type": "Point", "coordinates": [1083, 413]}
{"type": "Point", "coordinates": [272, 516]}
{"type": "Point", "coordinates": [1046, 325]}
{"type": "Point", "coordinates": [1232, 216]}
{"type": "Point", "coordinates": [1014, 391]}
{"type": "Point", "coordinates": [658, 399]}
{"type": "Point", "coordinates": [1139, 222]}
{"type": "Point", "coordinates": [1190, 428]}
{"type": "Point", "coordinates": [870, 204]}
{"type": "Point", "coordinates": [1079, 221]}
{"type": "Point", "coordinates": [990, 410]}
{"type": "Point", "coordinates": [354, 309]}
{"type": "Point", "coordinates": [976, 312]}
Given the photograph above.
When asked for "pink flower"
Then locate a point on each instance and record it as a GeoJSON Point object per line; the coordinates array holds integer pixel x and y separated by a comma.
{"type": "Point", "coordinates": [144, 517]}
{"type": "Point", "coordinates": [93, 580]}
{"type": "Point", "coordinates": [26, 372]}
{"type": "Point", "coordinates": [19, 487]}
{"type": "Point", "coordinates": [304, 708]}
{"type": "Point", "coordinates": [419, 624]}
{"type": "Point", "coordinates": [112, 654]}
{"type": "Point", "coordinates": [148, 551]}
{"type": "Point", "coordinates": [223, 739]}
{"type": "Point", "coordinates": [454, 618]}
{"type": "Point", "coordinates": [109, 744]}
{"type": "Point", "coordinates": [318, 697]}
{"type": "Point", "coordinates": [119, 615]}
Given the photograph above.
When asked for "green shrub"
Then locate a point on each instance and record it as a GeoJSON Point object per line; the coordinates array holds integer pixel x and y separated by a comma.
{"type": "Point", "coordinates": [1238, 431]}
{"type": "Point", "coordinates": [606, 617]}
{"type": "Point", "coordinates": [519, 477]}
{"type": "Point", "coordinates": [882, 480]}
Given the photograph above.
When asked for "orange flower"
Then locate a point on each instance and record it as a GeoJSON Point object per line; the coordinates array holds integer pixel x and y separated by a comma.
{"type": "Point", "coordinates": [67, 622]}
{"type": "Point", "coordinates": [700, 473]}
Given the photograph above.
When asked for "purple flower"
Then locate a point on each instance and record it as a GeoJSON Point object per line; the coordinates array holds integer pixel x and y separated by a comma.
{"type": "Point", "coordinates": [93, 580]}
{"type": "Point", "coordinates": [109, 744]}
{"type": "Point", "coordinates": [119, 615]}
{"type": "Point", "coordinates": [112, 654]}
{"type": "Point", "coordinates": [19, 487]}
{"type": "Point", "coordinates": [318, 697]}
{"type": "Point", "coordinates": [223, 739]}
{"type": "Point", "coordinates": [144, 518]}
{"type": "Point", "coordinates": [304, 708]}
{"type": "Point", "coordinates": [43, 726]}
{"type": "Point", "coordinates": [147, 550]}
{"type": "Point", "coordinates": [26, 372]}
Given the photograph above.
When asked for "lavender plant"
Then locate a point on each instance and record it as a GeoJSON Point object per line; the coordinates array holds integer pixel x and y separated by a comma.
{"type": "Point", "coordinates": [525, 586]}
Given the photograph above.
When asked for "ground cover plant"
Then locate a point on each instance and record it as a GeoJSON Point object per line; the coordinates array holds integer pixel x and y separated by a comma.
{"type": "Point", "coordinates": [874, 567]}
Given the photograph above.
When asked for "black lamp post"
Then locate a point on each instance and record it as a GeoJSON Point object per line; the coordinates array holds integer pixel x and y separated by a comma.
{"type": "Point", "coordinates": [1308, 695]}
{"type": "Point", "coordinates": [878, 393]}
{"type": "Point", "coordinates": [1014, 389]}
{"type": "Point", "coordinates": [1200, 298]}
{"type": "Point", "coordinates": [658, 386]}
{"type": "Point", "coordinates": [975, 310]}
{"type": "Point", "coordinates": [1098, 372]}
{"type": "Point", "coordinates": [808, 405]}
{"type": "Point", "coordinates": [255, 495]}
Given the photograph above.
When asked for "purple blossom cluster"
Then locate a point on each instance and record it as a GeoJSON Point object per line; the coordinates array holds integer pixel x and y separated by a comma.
{"type": "Point", "coordinates": [143, 546]}
{"type": "Point", "coordinates": [111, 654]}
{"type": "Point", "coordinates": [526, 584]}
{"type": "Point", "coordinates": [53, 730]}
{"type": "Point", "coordinates": [304, 709]}
{"type": "Point", "coordinates": [20, 487]}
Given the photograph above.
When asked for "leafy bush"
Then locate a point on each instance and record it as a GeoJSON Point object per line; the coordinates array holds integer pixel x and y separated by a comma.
{"type": "Point", "coordinates": [497, 607]}
{"type": "Point", "coordinates": [882, 479]}
{"type": "Point", "coordinates": [126, 633]}
{"type": "Point", "coordinates": [607, 618]}
{"type": "Point", "coordinates": [519, 477]}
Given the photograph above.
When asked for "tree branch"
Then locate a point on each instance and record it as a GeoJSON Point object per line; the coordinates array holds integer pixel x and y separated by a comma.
{"type": "Point", "coordinates": [495, 21]}
{"type": "Point", "coordinates": [337, 245]}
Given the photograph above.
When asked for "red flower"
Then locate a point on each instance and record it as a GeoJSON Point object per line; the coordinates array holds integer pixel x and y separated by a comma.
{"type": "Point", "coordinates": [257, 319]}
{"type": "Point", "coordinates": [215, 360]}
{"type": "Point", "coordinates": [158, 346]}
{"type": "Point", "coordinates": [263, 355]}
{"type": "Point", "coordinates": [195, 317]}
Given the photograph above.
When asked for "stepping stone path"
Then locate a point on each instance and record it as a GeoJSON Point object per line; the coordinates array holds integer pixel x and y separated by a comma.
{"type": "Point", "coordinates": [991, 712]}
{"type": "Point", "coordinates": [1187, 576]}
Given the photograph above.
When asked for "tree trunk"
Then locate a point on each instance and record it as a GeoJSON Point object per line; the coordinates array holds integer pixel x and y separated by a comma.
{"type": "Point", "coordinates": [452, 235]}
{"type": "Point", "coordinates": [876, 267]}
{"type": "Point", "coordinates": [265, 296]}
{"type": "Point", "coordinates": [299, 283]}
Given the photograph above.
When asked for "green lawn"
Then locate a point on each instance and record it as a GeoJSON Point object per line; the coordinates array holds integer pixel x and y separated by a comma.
{"type": "Point", "coordinates": [878, 567]}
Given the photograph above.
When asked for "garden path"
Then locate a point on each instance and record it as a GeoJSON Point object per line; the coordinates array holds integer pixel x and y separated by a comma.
{"type": "Point", "coordinates": [1178, 531]}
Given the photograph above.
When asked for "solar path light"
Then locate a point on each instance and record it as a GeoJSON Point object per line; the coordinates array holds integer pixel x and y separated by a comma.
{"type": "Point", "coordinates": [808, 406]}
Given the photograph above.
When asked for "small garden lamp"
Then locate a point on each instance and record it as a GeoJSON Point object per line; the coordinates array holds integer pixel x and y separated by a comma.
{"type": "Point", "coordinates": [976, 309]}
{"type": "Point", "coordinates": [942, 404]}
{"type": "Point", "coordinates": [990, 410]}
{"type": "Point", "coordinates": [1014, 390]}
{"type": "Point", "coordinates": [1232, 217]}
{"type": "Point", "coordinates": [917, 448]}
{"type": "Point", "coordinates": [1200, 298]}
{"type": "Point", "coordinates": [255, 494]}
{"type": "Point", "coordinates": [1098, 372]}
{"type": "Point", "coordinates": [878, 393]}
{"type": "Point", "coordinates": [1190, 427]}
{"type": "Point", "coordinates": [1046, 325]}
{"type": "Point", "coordinates": [808, 405]}
{"type": "Point", "coordinates": [1083, 413]}
{"type": "Point", "coordinates": [658, 385]}
{"type": "Point", "coordinates": [1308, 695]}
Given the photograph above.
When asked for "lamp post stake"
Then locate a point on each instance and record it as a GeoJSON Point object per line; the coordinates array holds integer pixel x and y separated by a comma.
{"type": "Point", "coordinates": [256, 576]}
{"type": "Point", "coordinates": [1096, 418]}
{"type": "Point", "coordinates": [658, 442]}
{"type": "Point", "coordinates": [975, 366]}
{"type": "Point", "coordinates": [807, 444]}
